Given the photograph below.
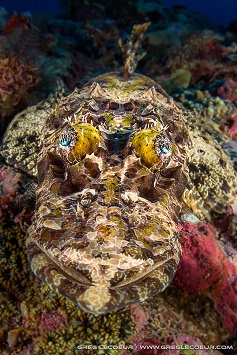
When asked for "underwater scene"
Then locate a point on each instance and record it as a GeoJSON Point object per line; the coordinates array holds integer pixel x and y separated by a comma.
{"type": "Point", "coordinates": [118, 177]}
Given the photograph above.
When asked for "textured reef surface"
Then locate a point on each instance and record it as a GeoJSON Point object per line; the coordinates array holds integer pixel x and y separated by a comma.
{"type": "Point", "coordinates": [196, 64]}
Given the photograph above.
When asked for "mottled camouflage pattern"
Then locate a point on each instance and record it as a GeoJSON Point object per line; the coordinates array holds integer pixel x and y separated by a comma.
{"type": "Point", "coordinates": [105, 227]}
{"type": "Point", "coordinates": [119, 160]}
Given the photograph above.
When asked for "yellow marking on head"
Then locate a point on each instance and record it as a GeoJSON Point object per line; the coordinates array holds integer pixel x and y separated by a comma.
{"type": "Point", "coordinates": [111, 185]}
{"type": "Point", "coordinates": [144, 144]}
{"type": "Point", "coordinates": [88, 138]}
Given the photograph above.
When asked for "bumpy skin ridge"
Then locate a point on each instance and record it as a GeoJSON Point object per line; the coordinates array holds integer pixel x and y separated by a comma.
{"type": "Point", "coordinates": [118, 160]}
{"type": "Point", "coordinates": [105, 227]}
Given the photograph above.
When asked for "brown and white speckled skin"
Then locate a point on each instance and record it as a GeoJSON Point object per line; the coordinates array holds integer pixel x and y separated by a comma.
{"type": "Point", "coordinates": [105, 226]}
{"type": "Point", "coordinates": [212, 180]}
{"type": "Point", "coordinates": [113, 175]}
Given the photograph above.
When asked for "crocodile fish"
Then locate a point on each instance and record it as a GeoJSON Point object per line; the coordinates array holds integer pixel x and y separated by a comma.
{"type": "Point", "coordinates": [116, 162]}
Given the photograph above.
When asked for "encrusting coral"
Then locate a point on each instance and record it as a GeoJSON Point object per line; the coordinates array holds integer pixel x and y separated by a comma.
{"type": "Point", "coordinates": [215, 277]}
{"type": "Point", "coordinates": [16, 197]}
{"type": "Point", "coordinates": [213, 108]}
{"type": "Point", "coordinates": [200, 306]}
{"type": "Point", "coordinates": [17, 78]}
{"type": "Point", "coordinates": [33, 317]}
{"type": "Point", "coordinates": [175, 314]}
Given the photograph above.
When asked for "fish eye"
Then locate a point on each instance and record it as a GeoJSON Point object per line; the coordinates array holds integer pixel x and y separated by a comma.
{"type": "Point", "coordinates": [78, 140]}
{"type": "Point", "coordinates": [67, 139]}
{"type": "Point", "coordinates": [163, 146]}
{"type": "Point", "coordinates": [164, 149]}
{"type": "Point", "coordinates": [153, 147]}
{"type": "Point", "coordinates": [65, 143]}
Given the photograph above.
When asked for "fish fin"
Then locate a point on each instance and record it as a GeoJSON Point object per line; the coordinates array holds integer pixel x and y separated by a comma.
{"type": "Point", "coordinates": [22, 140]}
{"type": "Point", "coordinates": [212, 180]}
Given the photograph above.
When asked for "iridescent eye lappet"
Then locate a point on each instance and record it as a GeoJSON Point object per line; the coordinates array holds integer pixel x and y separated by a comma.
{"type": "Point", "coordinates": [118, 159]}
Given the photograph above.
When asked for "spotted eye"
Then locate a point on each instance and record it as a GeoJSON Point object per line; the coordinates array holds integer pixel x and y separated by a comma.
{"type": "Point", "coordinates": [77, 140]}
{"type": "Point", "coordinates": [65, 143]}
{"type": "Point", "coordinates": [67, 139]}
{"type": "Point", "coordinates": [153, 147]}
{"type": "Point", "coordinates": [164, 149]}
{"type": "Point", "coordinates": [163, 145]}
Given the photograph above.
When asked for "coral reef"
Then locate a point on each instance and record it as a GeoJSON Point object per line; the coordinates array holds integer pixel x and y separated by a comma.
{"type": "Point", "coordinates": [175, 314]}
{"type": "Point", "coordinates": [16, 197]}
{"type": "Point", "coordinates": [199, 274]}
{"type": "Point", "coordinates": [198, 65]}
{"type": "Point", "coordinates": [18, 77]}
{"type": "Point", "coordinates": [228, 91]}
{"type": "Point", "coordinates": [214, 108]}
{"type": "Point", "coordinates": [34, 318]}
{"type": "Point", "coordinates": [206, 57]}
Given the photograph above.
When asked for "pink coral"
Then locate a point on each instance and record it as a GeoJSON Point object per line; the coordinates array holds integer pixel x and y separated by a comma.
{"type": "Point", "coordinates": [12, 205]}
{"type": "Point", "coordinates": [229, 126]}
{"type": "Point", "coordinates": [18, 76]}
{"type": "Point", "coordinates": [16, 22]}
{"type": "Point", "coordinates": [8, 180]}
{"type": "Point", "coordinates": [228, 91]}
{"type": "Point", "coordinates": [8, 191]}
{"type": "Point", "coordinates": [140, 317]}
{"type": "Point", "coordinates": [233, 129]}
{"type": "Point", "coordinates": [205, 269]}
{"type": "Point", "coordinates": [52, 321]}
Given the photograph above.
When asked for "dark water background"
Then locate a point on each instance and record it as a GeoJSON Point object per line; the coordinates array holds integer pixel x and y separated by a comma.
{"type": "Point", "coordinates": [220, 12]}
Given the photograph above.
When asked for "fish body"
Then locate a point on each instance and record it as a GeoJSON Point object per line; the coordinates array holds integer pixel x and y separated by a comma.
{"type": "Point", "coordinates": [111, 171]}
{"type": "Point", "coordinates": [116, 162]}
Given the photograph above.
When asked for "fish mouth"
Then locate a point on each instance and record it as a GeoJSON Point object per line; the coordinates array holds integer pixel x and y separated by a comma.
{"type": "Point", "coordinates": [104, 274]}
{"type": "Point", "coordinates": [113, 248]}
{"type": "Point", "coordinates": [103, 288]}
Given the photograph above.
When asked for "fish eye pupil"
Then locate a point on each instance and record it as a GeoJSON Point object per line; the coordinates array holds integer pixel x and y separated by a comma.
{"type": "Point", "coordinates": [65, 143]}
{"type": "Point", "coordinates": [164, 149]}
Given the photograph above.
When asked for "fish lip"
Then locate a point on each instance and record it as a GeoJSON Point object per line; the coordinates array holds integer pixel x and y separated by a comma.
{"type": "Point", "coordinates": [148, 267]}
{"type": "Point", "coordinates": [138, 272]}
